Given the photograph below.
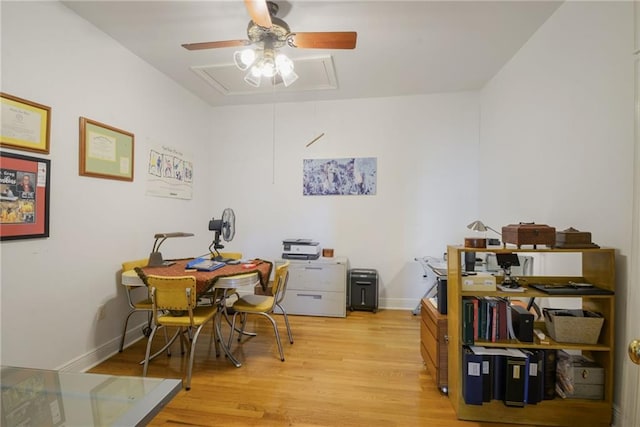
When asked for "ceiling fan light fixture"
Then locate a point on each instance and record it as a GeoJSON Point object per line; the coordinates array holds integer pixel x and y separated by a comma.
{"type": "Point", "coordinates": [289, 78]}
{"type": "Point", "coordinates": [244, 58]}
{"type": "Point", "coordinates": [253, 77]}
{"type": "Point", "coordinates": [284, 65]}
{"type": "Point", "coordinates": [268, 68]}
{"type": "Point", "coordinates": [267, 33]}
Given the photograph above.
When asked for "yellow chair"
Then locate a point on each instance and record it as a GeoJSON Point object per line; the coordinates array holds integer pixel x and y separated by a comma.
{"type": "Point", "coordinates": [264, 306]}
{"type": "Point", "coordinates": [142, 304]}
{"type": "Point", "coordinates": [231, 255]}
{"type": "Point", "coordinates": [174, 305]}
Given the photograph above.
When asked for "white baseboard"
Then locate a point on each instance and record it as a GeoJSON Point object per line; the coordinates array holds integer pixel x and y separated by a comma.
{"type": "Point", "coordinates": [105, 351]}
{"type": "Point", "coordinates": [398, 303]}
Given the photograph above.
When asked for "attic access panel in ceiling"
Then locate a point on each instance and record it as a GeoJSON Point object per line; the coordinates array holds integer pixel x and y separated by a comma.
{"type": "Point", "coordinates": [315, 73]}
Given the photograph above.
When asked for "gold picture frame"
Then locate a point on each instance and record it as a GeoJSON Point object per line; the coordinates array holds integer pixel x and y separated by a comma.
{"type": "Point", "coordinates": [105, 151]}
{"type": "Point", "coordinates": [25, 125]}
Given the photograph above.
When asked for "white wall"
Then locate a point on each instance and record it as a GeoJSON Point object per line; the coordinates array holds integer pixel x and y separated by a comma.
{"type": "Point", "coordinates": [51, 288]}
{"type": "Point", "coordinates": [426, 149]}
{"type": "Point", "coordinates": [559, 119]}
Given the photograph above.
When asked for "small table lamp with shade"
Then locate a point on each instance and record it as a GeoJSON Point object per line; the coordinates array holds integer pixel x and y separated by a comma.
{"type": "Point", "coordinates": [155, 258]}
{"type": "Point", "coordinates": [481, 242]}
{"type": "Point", "coordinates": [476, 242]}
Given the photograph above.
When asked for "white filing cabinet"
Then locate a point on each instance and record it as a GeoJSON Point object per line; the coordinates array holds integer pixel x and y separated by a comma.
{"type": "Point", "coordinates": [317, 287]}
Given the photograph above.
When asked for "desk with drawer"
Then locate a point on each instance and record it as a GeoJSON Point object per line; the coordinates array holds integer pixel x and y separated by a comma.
{"type": "Point", "coordinates": [433, 343]}
{"type": "Point", "coordinates": [317, 287]}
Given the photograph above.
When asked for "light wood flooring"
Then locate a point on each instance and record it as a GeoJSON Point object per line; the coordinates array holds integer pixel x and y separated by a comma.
{"type": "Point", "coordinates": [362, 370]}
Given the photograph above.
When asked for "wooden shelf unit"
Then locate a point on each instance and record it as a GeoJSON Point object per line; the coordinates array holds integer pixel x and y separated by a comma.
{"type": "Point", "coordinates": [598, 268]}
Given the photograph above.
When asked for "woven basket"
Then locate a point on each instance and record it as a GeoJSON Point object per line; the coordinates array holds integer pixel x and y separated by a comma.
{"type": "Point", "coordinates": [579, 326]}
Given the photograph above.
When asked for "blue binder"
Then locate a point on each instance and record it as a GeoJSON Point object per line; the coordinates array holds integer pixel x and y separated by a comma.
{"type": "Point", "coordinates": [205, 264]}
{"type": "Point", "coordinates": [471, 377]}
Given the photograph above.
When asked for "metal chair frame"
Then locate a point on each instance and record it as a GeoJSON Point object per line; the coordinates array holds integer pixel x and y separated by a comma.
{"type": "Point", "coordinates": [191, 329]}
{"type": "Point", "coordinates": [280, 287]}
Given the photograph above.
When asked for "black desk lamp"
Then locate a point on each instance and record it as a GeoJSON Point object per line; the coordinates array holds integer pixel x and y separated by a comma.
{"type": "Point", "coordinates": [155, 258]}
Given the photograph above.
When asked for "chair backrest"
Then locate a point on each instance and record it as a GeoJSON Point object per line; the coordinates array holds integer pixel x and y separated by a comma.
{"type": "Point", "coordinates": [231, 255]}
{"type": "Point", "coordinates": [130, 265]}
{"type": "Point", "coordinates": [280, 280]}
{"type": "Point", "coordinates": [175, 294]}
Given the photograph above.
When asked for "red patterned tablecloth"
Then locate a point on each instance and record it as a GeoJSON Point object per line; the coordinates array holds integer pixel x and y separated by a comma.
{"type": "Point", "coordinates": [205, 280]}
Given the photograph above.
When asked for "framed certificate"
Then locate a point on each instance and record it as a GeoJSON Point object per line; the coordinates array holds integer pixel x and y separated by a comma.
{"type": "Point", "coordinates": [24, 196]}
{"type": "Point", "coordinates": [105, 152]}
{"type": "Point", "coordinates": [25, 125]}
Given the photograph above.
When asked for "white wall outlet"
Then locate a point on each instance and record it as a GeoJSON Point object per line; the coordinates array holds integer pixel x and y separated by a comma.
{"type": "Point", "coordinates": [102, 312]}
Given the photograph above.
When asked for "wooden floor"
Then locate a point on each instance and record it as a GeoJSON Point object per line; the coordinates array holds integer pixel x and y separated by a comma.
{"type": "Point", "coordinates": [363, 370]}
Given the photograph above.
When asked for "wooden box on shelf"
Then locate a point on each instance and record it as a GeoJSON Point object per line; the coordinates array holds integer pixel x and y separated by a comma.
{"type": "Point", "coordinates": [598, 268]}
{"type": "Point", "coordinates": [433, 343]}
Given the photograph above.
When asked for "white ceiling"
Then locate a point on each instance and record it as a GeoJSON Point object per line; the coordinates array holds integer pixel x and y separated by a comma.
{"type": "Point", "coordinates": [403, 47]}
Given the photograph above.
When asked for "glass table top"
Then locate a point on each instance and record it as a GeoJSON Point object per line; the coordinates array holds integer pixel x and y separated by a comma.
{"type": "Point", "coordinates": [44, 398]}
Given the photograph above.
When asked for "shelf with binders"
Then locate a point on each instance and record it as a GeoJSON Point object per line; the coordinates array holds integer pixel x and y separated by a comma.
{"type": "Point", "coordinates": [597, 267]}
{"type": "Point", "coordinates": [602, 304]}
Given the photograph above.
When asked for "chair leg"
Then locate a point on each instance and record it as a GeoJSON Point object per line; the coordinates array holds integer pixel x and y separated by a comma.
{"type": "Point", "coordinates": [124, 330]}
{"type": "Point", "coordinates": [192, 354]}
{"type": "Point", "coordinates": [286, 322]}
{"type": "Point", "coordinates": [148, 352]}
{"type": "Point", "coordinates": [167, 345]}
{"type": "Point", "coordinates": [275, 330]}
{"type": "Point", "coordinates": [166, 340]}
{"type": "Point", "coordinates": [242, 331]}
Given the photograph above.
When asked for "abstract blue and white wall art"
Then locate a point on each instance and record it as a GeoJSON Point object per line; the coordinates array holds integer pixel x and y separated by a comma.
{"type": "Point", "coordinates": [349, 176]}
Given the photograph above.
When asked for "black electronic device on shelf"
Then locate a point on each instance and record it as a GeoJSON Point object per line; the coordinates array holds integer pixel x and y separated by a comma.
{"type": "Point", "coordinates": [506, 261]}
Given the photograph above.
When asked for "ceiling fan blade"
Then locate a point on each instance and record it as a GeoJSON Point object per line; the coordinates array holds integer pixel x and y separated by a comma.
{"type": "Point", "coordinates": [214, 45]}
{"type": "Point", "coordinates": [259, 12]}
{"type": "Point", "coordinates": [325, 40]}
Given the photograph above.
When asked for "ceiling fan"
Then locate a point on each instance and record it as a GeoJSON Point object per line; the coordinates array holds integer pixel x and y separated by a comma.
{"type": "Point", "coordinates": [270, 32]}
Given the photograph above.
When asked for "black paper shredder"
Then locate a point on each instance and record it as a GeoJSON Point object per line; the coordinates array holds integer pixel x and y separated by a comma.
{"type": "Point", "coordinates": [363, 289]}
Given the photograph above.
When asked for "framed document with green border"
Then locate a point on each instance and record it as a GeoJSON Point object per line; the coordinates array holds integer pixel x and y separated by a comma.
{"type": "Point", "coordinates": [25, 125]}
{"type": "Point", "coordinates": [105, 152]}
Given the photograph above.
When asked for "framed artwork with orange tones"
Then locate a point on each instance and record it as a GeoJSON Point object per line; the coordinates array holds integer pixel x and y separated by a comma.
{"type": "Point", "coordinates": [24, 196]}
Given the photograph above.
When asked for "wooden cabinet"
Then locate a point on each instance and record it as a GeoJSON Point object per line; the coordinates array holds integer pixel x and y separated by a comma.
{"type": "Point", "coordinates": [598, 268]}
{"type": "Point", "coordinates": [433, 343]}
{"type": "Point", "coordinates": [317, 287]}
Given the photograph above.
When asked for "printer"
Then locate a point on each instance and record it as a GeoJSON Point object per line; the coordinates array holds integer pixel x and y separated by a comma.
{"type": "Point", "coordinates": [300, 249]}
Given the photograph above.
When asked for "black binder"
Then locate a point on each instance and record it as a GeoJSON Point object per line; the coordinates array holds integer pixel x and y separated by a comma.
{"type": "Point", "coordinates": [549, 374]}
{"type": "Point", "coordinates": [471, 377]}
{"type": "Point", "coordinates": [499, 375]}
{"type": "Point", "coordinates": [467, 321]}
{"type": "Point", "coordinates": [515, 381]}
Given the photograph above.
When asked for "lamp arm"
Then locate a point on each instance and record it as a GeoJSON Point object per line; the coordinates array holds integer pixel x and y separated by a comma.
{"type": "Point", "coordinates": [156, 245]}
{"type": "Point", "coordinates": [489, 228]}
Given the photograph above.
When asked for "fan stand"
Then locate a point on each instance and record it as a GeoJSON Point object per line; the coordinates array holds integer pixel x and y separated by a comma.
{"type": "Point", "coordinates": [215, 254]}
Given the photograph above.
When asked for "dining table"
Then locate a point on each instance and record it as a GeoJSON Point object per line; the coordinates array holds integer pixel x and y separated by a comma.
{"type": "Point", "coordinates": [206, 281]}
